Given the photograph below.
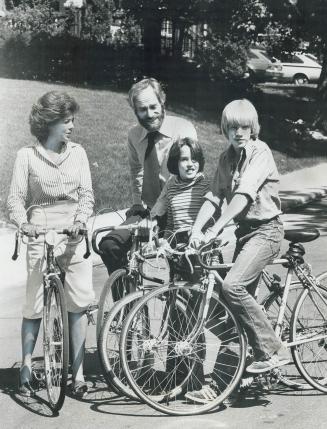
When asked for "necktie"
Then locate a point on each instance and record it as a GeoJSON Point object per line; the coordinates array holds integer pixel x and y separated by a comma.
{"type": "Point", "coordinates": [151, 143]}
{"type": "Point", "coordinates": [151, 183]}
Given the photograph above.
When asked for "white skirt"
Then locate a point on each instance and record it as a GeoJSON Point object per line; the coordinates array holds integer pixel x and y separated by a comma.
{"type": "Point", "coordinates": [69, 253]}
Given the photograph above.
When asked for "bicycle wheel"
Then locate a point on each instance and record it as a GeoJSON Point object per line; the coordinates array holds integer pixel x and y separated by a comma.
{"type": "Point", "coordinates": [108, 345]}
{"type": "Point", "coordinates": [118, 285]}
{"type": "Point", "coordinates": [55, 343]}
{"type": "Point", "coordinates": [164, 355]}
{"type": "Point", "coordinates": [309, 324]}
{"type": "Point", "coordinates": [287, 374]}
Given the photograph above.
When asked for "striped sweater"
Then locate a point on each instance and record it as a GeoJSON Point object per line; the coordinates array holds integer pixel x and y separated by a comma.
{"type": "Point", "coordinates": [181, 200]}
{"type": "Point", "coordinates": [38, 180]}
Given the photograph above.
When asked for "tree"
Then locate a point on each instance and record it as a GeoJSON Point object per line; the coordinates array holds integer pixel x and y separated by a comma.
{"type": "Point", "coordinates": [304, 20]}
{"type": "Point", "coordinates": [150, 15]}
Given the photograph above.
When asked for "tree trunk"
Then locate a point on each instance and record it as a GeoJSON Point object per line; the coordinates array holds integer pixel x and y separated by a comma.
{"type": "Point", "coordinates": [321, 111]}
{"type": "Point", "coordinates": [152, 44]}
{"type": "Point", "coordinates": [3, 6]}
{"type": "Point", "coordinates": [178, 52]}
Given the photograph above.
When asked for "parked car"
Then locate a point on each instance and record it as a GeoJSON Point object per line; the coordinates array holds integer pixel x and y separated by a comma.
{"type": "Point", "coordinates": [259, 62]}
{"type": "Point", "coordinates": [299, 68]}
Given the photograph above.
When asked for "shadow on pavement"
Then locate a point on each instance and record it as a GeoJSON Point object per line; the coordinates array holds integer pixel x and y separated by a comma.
{"type": "Point", "coordinates": [314, 215]}
{"type": "Point", "coordinates": [9, 386]}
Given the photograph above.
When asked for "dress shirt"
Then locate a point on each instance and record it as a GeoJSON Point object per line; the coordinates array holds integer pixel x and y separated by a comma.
{"type": "Point", "coordinates": [254, 175]}
{"type": "Point", "coordinates": [171, 129]}
{"type": "Point", "coordinates": [39, 180]}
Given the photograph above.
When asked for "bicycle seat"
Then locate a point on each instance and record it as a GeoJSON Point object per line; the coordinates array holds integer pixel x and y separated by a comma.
{"type": "Point", "coordinates": [301, 236]}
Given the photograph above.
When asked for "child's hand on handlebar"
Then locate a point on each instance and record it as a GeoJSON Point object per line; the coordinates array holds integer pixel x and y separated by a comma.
{"type": "Point", "coordinates": [211, 234]}
{"type": "Point", "coordinates": [196, 239]}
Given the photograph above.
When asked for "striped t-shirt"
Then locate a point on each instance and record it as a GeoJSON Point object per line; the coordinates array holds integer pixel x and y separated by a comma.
{"type": "Point", "coordinates": [38, 180]}
{"type": "Point", "coordinates": [181, 200]}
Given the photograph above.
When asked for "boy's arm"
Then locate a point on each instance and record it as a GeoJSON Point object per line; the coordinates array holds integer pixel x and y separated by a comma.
{"type": "Point", "coordinates": [234, 208]}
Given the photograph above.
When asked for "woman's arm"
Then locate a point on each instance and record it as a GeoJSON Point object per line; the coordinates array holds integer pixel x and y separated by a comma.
{"type": "Point", "coordinates": [18, 190]}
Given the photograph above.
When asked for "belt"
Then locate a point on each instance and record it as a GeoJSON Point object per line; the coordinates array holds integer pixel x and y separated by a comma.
{"type": "Point", "coordinates": [256, 223]}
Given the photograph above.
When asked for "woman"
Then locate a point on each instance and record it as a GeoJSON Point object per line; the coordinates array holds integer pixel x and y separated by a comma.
{"type": "Point", "coordinates": [53, 175]}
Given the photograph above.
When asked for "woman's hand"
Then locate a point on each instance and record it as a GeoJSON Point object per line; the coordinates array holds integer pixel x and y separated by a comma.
{"type": "Point", "coordinates": [31, 230]}
{"type": "Point", "coordinates": [75, 228]}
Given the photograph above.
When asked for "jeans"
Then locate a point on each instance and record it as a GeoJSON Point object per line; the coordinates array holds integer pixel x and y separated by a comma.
{"type": "Point", "coordinates": [256, 247]}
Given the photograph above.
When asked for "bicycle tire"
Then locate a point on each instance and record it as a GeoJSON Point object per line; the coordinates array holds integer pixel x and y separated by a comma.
{"type": "Point", "coordinates": [108, 345]}
{"type": "Point", "coordinates": [309, 319]}
{"type": "Point", "coordinates": [176, 365]}
{"type": "Point", "coordinates": [116, 287]}
{"type": "Point", "coordinates": [55, 343]}
{"type": "Point", "coordinates": [287, 374]}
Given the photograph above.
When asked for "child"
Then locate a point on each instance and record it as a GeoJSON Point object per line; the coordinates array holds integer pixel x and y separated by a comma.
{"type": "Point", "coordinates": [182, 195]}
{"type": "Point", "coordinates": [247, 178]}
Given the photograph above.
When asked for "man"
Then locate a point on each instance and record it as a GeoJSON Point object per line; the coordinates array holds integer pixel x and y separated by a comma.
{"type": "Point", "coordinates": [148, 147]}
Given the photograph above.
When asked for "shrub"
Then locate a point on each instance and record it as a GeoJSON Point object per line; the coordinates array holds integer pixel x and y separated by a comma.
{"type": "Point", "coordinates": [37, 43]}
{"type": "Point", "coordinates": [222, 59]}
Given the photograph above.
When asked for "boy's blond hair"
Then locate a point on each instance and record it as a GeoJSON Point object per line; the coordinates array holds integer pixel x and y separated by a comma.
{"type": "Point", "coordinates": [240, 113]}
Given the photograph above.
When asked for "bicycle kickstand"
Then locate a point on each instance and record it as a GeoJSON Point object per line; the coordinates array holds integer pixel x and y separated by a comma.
{"type": "Point", "coordinates": [90, 311]}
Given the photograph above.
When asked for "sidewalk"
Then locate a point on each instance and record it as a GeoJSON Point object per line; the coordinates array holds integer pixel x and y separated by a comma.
{"type": "Point", "coordinates": [297, 188]}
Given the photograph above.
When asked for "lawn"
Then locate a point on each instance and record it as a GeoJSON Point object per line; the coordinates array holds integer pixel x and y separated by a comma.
{"type": "Point", "coordinates": [101, 127]}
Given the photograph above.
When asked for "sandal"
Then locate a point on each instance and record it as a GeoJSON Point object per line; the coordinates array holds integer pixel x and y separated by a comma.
{"type": "Point", "coordinates": [79, 389]}
{"type": "Point", "coordinates": [25, 389]}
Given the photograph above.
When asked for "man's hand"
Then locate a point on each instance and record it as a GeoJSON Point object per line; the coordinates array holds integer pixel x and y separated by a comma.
{"type": "Point", "coordinates": [137, 210]}
{"type": "Point", "coordinates": [75, 228]}
{"type": "Point", "coordinates": [31, 230]}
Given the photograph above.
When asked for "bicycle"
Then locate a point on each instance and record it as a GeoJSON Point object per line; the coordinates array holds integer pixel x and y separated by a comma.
{"type": "Point", "coordinates": [286, 375]}
{"type": "Point", "coordinates": [123, 288]}
{"type": "Point", "coordinates": [181, 336]}
{"type": "Point", "coordinates": [179, 354]}
{"type": "Point", "coordinates": [55, 318]}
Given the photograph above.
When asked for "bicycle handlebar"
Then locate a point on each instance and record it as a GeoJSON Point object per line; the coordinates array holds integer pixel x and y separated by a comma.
{"type": "Point", "coordinates": [19, 236]}
{"type": "Point", "coordinates": [198, 253]}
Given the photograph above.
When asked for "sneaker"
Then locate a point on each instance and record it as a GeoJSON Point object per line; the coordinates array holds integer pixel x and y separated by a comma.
{"type": "Point", "coordinates": [278, 359]}
{"type": "Point", "coordinates": [79, 389]}
{"type": "Point", "coordinates": [203, 396]}
{"type": "Point", "coordinates": [25, 389]}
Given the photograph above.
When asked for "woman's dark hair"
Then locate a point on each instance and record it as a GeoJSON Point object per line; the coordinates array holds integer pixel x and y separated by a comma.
{"type": "Point", "coordinates": [175, 154]}
{"type": "Point", "coordinates": [52, 107]}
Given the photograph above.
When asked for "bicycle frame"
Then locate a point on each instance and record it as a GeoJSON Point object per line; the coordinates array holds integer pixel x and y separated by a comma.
{"type": "Point", "coordinates": [304, 280]}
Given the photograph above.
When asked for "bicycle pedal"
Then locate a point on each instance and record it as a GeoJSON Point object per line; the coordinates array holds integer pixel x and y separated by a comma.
{"type": "Point", "coordinates": [263, 381]}
{"type": "Point", "coordinates": [38, 379]}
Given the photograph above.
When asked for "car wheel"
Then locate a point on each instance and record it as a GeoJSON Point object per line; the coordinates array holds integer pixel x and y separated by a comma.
{"type": "Point", "coordinates": [300, 79]}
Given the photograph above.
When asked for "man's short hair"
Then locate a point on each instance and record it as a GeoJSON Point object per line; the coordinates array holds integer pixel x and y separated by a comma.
{"type": "Point", "coordinates": [240, 113]}
{"type": "Point", "coordinates": [175, 154]}
{"type": "Point", "coordinates": [141, 86]}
